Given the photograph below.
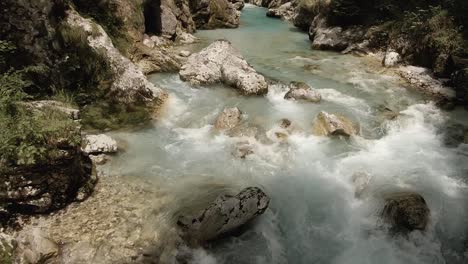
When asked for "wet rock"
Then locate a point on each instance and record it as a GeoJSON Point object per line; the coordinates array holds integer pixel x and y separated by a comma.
{"type": "Point", "coordinates": [98, 144]}
{"type": "Point", "coordinates": [242, 131]}
{"type": "Point", "coordinates": [229, 118]}
{"type": "Point", "coordinates": [406, 212]}
{"type": "Point", "coordinates": [454, 135]}
{"type": "Point", "coordinates": [242, 150]}
{"type": "Point", "coordinates": [360, 182]}
{"type": "Point", "coordinates": [422, 80]}
{"type": "Point", "coordinates": [221, 63]}
{"type": "Point", "coordinates": [186, 38]}
{"type": "Point", "coordinates": [327, 124]}
{"type": "Point", "coordinates": [214, 14]}
{"type": "Point", "coordinates": [35, 247]}
{"type": "Point", "coordinates": [226, 214]}
{"type": "Point", "coordinates": [443, 65]}
{"type": "Point", "coordinates": [391, 59]}
{"type": "Point", "coordinates": [285, 123]}
{"type": "Point", "coordinates": [302, 91]}
{"type": "Point", "coordinates": [361, 48]}
{"type": "Point", "coordinates": [184, 53]}
{"type": "Point", "coordinates": [460, 82]}
{"type": "Point", "coordinates": [100, 159]}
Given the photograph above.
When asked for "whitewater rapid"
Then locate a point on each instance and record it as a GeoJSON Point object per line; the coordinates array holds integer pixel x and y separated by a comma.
{"type": "Point", "coordinates": [326, 193]}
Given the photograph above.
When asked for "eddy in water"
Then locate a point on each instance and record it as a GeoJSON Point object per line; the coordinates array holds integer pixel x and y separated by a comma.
{"type": "Point", "coordinates": [270, 152]}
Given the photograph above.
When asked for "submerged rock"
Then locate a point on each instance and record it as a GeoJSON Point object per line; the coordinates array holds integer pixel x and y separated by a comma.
{"type": "Point", "coordinates": [98, 144]}
{"type": "Point", "coordinates": [242, 150]}
{"type": "Point", "coordinates": [406, 212]}
{"type": "Point", "coordinates": [221, 63]}
{"type": "Point", "coordinates": [302, 91]}
{"type": "Point", "coordinates": [226, 214]}
{"type": "Point", "coordinates": [327, 124]}
{"type": "Point", "coordinates": [229, 118]}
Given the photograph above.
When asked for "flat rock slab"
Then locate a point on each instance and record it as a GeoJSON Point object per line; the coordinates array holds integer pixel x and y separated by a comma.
{"type": "Point", "coordinates": [97, 144]}
{"type": "Point", "coordinates": [222, 63]}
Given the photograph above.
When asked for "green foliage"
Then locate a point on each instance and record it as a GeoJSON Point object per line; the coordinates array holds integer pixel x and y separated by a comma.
{"type": "Point", "coordinates": [86, 73]}
{"type": "Point", "coordinates": [433, 28]}
{"type": "Point", "coordinates": [108, 115]}
{"type": "Point", "coordinates": [30, 136]}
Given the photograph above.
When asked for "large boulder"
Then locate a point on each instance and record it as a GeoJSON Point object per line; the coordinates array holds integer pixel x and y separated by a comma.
{"type": "Point", "coordinates": [333, 125]}
{"type": "Point", "coordinates": [130, 86]}
{"type": "Point", "coordinates": [214, 14]}
{"type": "Point", "coordinates": [226, 214]}
{"type": "Point", "coordinates": [285, 11]}
{"type": "Point", "coordinates": [302, 91]}
{"type": "Point", "coordinates": [228, 119]}
{"type": "Point", "coordinates": [406, 212]}
{"type": "Point", "coordinates": [221, 63]}
{"type": "Point", "coordinates": [335, 38]}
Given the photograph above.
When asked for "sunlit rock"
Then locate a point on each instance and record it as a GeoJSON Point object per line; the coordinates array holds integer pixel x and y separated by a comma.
{"type": "Point", "coordinates": [327, 124]}
{"type": "Point", "coordinates": [406, 212]}
{"type": "Point", "coordinates": [391, 59]}
{"type": "Point", "coordinates": [229, 118]}
{"type": "Point", "coordinates": [98, 144]}
{"type": "Point", "coordinates": [130, 85]}
{"type": "Point", "coordinates": [226, 214]}
{"type": "Point", "coordinates": [302, 91]}
{"type": "Point", "coordinates": [221, 63]}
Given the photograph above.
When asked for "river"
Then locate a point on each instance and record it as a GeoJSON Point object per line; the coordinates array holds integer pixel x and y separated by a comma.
{"type": "Point", "coordinates": [315, 215]}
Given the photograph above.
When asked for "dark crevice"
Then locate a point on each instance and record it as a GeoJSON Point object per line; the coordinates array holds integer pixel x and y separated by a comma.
{"type": "Point", "coordinates": [152, 12]}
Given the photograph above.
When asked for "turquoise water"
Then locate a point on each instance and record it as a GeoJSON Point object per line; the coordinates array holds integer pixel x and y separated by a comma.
{"type": "Point", "coordinates": [314, 216]}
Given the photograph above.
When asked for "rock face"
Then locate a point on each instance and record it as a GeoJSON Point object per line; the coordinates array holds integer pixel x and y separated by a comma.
{"type": "Point", "coordinates": [302, 91]}
{"type": "Point", "coordinates": [130, 85]}
{"type": "Point", "coordinates": [226, 214]}
{"type": "Point", "coordinates": [335, 38]}
{"type": "Point", "coordinates": [285, 11]}
{"type": "Point", "coordinates": [221, 63]}
{"type": "Point", "coordinates": [406, 212]}
{"type": "Point", "coordinates": [229, 118]}
{"type": "Point", "coordinates": [176, 18]}
{"type": "Point", "coordinates": [214, 14]}
{"type": "Point", "coordinates": [333, 125]}
{"type": "Point", "coordinates": [98, 144]}
{"type": "Point", "coordinates": [238, 4]}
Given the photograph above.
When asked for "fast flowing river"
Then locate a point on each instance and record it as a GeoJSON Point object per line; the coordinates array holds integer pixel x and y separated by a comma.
{"type": "Point", "coordinates": [314, 215]}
